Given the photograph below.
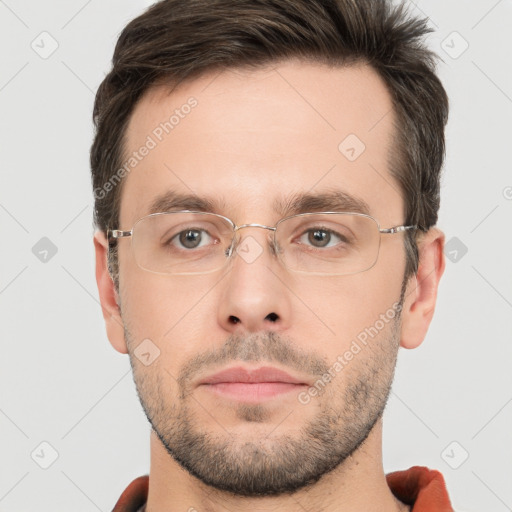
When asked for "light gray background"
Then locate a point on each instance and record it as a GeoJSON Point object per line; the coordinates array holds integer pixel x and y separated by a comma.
{"type": "Point", "coordinates": [62, 383]}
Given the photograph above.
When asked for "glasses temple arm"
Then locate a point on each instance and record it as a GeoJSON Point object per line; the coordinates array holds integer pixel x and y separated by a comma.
{"type": "Point", "coordinates": [396, 229]}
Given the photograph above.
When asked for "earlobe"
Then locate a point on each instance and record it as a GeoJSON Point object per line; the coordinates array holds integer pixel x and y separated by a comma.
{"type": "Point", "coordinates": [108, 296]}
{"type": "Point", "coordinates": [421, 292]}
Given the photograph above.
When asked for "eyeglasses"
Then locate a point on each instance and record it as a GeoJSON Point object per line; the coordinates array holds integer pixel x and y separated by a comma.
{"type": "Point", "coordinates": [191, 242]}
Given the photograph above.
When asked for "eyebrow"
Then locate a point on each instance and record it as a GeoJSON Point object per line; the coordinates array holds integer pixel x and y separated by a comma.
{"type": "Point", "coordinates": [178, 201]}
{"type": "Point", "coordinates": [334, 200]}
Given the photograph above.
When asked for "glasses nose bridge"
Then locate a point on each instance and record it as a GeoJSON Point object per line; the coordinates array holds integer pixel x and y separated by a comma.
{"type": "Point", "coordinates": [251, 225]}
{"type": "Point", "coordinates": [255, 225]}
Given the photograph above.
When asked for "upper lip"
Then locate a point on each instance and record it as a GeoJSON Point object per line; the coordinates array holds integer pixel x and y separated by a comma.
{"type": "Point", "coordinates": [240, 374]}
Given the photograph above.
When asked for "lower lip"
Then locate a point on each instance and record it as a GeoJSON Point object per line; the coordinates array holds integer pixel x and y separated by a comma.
{"type": "Point", "coordinates": [252, 392]}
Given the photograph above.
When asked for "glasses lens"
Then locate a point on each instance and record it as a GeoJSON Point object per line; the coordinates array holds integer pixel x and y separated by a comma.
{"type": "Point", "coordinates": [329, 243]}
{"type": "Point", "coordinates": [181, 243]}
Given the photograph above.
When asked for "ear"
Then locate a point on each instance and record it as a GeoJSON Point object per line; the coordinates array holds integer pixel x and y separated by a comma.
{"type": "Point", "coordinates": [108, 295]}
{"type": "Point", "coordinates": [421, 291]}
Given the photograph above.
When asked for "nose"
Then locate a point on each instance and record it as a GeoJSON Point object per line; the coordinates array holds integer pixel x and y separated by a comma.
{"type": "Point", "coordinates": [255, 295]}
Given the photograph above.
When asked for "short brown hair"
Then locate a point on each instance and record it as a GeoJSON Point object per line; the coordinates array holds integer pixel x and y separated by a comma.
{"type": "Point", "coordinates": [178, 40]}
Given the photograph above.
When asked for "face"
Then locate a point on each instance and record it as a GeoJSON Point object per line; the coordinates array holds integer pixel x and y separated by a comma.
{"type": "Point", "coordinates": [247, 141]}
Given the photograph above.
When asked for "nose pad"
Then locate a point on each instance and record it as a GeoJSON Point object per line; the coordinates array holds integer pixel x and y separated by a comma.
{"type": "Point", "coordinates": [235, 243]}
{"type": "Point", "coordinates": [275, 247]}
{"type": "Point", "coordinates": [229, 250]}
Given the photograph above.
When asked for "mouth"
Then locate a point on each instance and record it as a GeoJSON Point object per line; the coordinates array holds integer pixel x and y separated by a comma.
{"type": "Point", "coordinates": [246, 385]}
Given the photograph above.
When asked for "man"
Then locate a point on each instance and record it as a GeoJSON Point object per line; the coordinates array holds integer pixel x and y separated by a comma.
{"type": "Point", "coordinates": [266, 176]}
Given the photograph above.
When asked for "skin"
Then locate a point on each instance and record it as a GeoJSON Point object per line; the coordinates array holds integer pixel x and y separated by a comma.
{"type": "Point", "coordinates": [255, 136]}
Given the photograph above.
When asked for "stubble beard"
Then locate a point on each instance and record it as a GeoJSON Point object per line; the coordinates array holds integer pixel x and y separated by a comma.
{"type": "Point", "coordinates": [278, 463]}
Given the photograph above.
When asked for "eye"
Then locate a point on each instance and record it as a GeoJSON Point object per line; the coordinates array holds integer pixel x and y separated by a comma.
{"type": "Point", "coordinates": [191, 239]}
{"type": "Point", "coordinates": [322, 237]}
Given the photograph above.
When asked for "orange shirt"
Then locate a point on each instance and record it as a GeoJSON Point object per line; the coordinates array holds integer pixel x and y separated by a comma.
{"type": "Point", "coordinates": [422, 488]}
{"type": "Point", "coordinates": [418, 486]}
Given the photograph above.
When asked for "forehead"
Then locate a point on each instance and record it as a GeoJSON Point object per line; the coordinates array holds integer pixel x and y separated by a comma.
{"type": "Point", "coordinates": [250, 140]}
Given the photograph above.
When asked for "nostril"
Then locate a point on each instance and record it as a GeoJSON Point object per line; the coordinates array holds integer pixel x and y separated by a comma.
{"type": "Point", "coordinates": [234, 319]}
{"type": "Point", "coordinates": [272, 317]}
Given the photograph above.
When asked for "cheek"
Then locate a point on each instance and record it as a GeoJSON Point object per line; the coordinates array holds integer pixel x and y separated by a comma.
{"type": "Point", "coordinates": [162, 316]}
{"type": "Point", "coordinates": [350, 304]}
{"type": "Point", "coordinates": [171, 311]}
{"type": "Point", "coordinates": [361, 312]}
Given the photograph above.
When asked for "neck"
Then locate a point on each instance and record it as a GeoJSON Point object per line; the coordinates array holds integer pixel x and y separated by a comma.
{"type": "Point", "coordinates": [359, 483]}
